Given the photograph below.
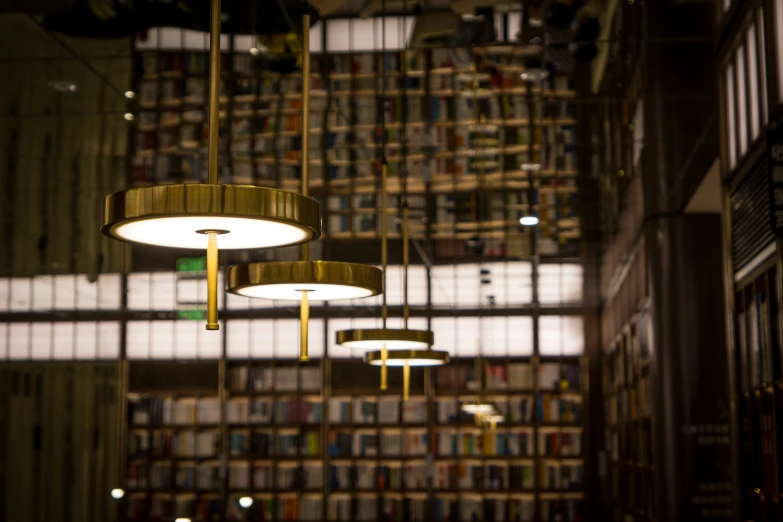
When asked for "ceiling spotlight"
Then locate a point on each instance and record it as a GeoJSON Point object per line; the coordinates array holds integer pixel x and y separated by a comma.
{"type": "Point", "coordinates": [528, 221]}
{"type": "Point", "coordinates": [182, 519]}
{"type": "Point", "coordinates": [478, 408]}
{"type": "Point", "coordinates": [530, 167]}
{"type": "Point", "coordinates": [63, 85]}
{"type": "Point", "coordinates": [255, 51]}
{"type": "Point", "coordinates": [129, 116]}
{"type": "Point", "coordinates": [245, 502]}
{"type": "Point", "coordinates": [534, 75]}
{"type": "Point", "coordinates": [117, 493]}
{"type": "Point", "coordinates": [130, 95]}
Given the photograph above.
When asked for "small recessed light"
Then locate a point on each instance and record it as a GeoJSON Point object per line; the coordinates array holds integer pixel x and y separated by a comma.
{"type": "Point", "coordinates": [63, 86]}
{"type": "Point", "coordinates": [246, 502]}
{"type": "Point", "coordinates": [255, 51]}
{"type": "Point", "coordinates": [534, 74]}
{"type": "Point", "coordinates": [530, 167]}
{"type": "Point", "coordinates": [129, 116]}
{"type": "Point", "coordinates": [117, 493]}
{"type": "Point", "coordinates": [130, 95]}
{"type": "Point", "coordinates": [528, 221]}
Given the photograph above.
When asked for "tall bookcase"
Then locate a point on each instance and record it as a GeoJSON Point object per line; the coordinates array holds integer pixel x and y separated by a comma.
{"type": "Point", "coordinates": [320, 442]}
{"type": "Point", "coordinates": [758, 379]}
{"type": "Point", "coordinates": [446, 158]}
{"type": "Point", "coordinates": [628, 485]}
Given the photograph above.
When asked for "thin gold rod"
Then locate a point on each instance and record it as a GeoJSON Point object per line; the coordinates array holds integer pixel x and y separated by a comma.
{"type": "Point", "coordinates": [405, 263]}
{"type": "Point", "coordinates": [304, 311]}
{"type": "Point", "coordinates": [384, 263]}
{"type": "Point", "coordinates": [212, 272]}
{"type": "Point", "coordinates": [384, 368]}
{"type": "Point", "coordinates": [406, 381]}
{"type": "Point", "coordinates": [305, 118]}
{"type": "Point", "coordinates": [214, 93]}
{"type": "Point", "coordinates": [384, 239]}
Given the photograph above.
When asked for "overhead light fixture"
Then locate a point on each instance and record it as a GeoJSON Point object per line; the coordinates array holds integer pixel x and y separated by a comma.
{"type": "Point", "coordinates": [65, 86]}
{"type": "Point", "coordinates": [305, 280]}
{"type": "Point", "coordinates": [129, 116]}
{"type": "Point", "coordinates": [478, 408]}
{"type": "Point", "coordinates": [245, 502]}
{"type": "Point", "coordinates": [209, 215]}
{"type": "Point", "coordinates": [388, 346]}
{"type": "Point", "coordinates": [528, 220]}
{"type": "Point", "coordinates": [532, 166]}
{"type": "Point", "coordinates": [130, 95]}
{"type": "Point", "coordinates": [182, 519]}
{"type": "Point", "coordinates": [117, 493]}
{"type": "Point", "coordinates": [255, 51]}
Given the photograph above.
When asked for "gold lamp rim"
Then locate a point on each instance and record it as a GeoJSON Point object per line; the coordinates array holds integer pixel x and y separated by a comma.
{"type": "Point", "coordinates": [436, 357]}
{"type": "Point", "coordinates": [386, 334]}
{"type": "Point", "coordinates": [337, 273]}
{"type": "Point", "coordinates": [205, 200]}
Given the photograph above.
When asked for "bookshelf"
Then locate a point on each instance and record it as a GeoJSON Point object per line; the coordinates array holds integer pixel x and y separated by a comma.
{"type": "Point", "coordinates": [760, 389]}
{"type": "Point", "coordinates": [628, 486]}
{"type": "Point", "coordinates": [445, 154]}
{"type": "Point", "coordinates": [337, 449]}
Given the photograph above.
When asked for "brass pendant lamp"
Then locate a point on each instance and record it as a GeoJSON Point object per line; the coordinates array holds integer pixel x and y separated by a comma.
{"type": "Point", "coordinates": [211, 215]}
{"type": "Point", "coordinates": [385, 346]}
{"type": "Point", "coordinates": [305, 280]}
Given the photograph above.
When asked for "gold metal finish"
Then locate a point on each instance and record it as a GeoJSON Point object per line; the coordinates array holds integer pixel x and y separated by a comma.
{"type": "Point", "coordinates": [305, 117]}
{"type": "Point", "coordinates": [405, 262]}
{"type": "Point", "coordinates": [304, 273]}
{"type": "Point", "coordinates": [409, 357]}
{"type": "Point", "coordinates": [212, 270]}
{"type": "Point", "coordinates": [304, 312]}
{"type": "Point", "coordinates": [198, 199]}
{"type": "Point", "coordinates": [214, 92]}
{"type": "Point", "coordinates": [386, 334]}
{"type": "Point", "coordinates": [384, 368]}
{"type": "Point", "coordinates": [406, 381]}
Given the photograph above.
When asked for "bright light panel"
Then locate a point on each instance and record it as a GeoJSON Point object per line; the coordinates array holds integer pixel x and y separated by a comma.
{"type": "Point", "coordinates": [180, 232]}
{"type": "Point", "coordinates": [399, 363]}
{"type": "Point", "coordinates": [390, 344]}
{"type": "Point", "coordinates": [293, 292]}
{"type": "Point", "coordinates": [561, 335]}
{"type": "Point", "coordinates": [528, 221]}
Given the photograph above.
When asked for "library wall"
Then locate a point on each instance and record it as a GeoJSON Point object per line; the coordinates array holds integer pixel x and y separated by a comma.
{"type": "Point", "coordinates": [60, 152]}
{"type": "Point", "coordinates": [58, 442]}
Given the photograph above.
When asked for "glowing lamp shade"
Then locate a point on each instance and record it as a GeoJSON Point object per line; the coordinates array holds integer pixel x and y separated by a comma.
{"type": "Point", "coordinates": [494, 417]}
{"type": "Point", "coordinates": [412, 358]}
{"type": "Point", "coordinates": [117, 493]}
{"type": "Point", "coordinates": [323, 280]}
{"type": "Point", "coordinates": [179, 216]}
{"type": "Point", "coordinates": [528, 221]}
{"type": "Point", "coordinates": [182, 519]}
{"type": "Point", "coordinates": [478, 408]}
{"type": "Point", "coordinates": [391, 339]}
{"type": "Point", "coordinates": [245, 502]}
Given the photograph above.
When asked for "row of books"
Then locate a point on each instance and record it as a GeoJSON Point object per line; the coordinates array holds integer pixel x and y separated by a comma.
{"type": "Point", "coordinates": [369, 410]}
{"type": "Point", "coordinates": [270, 379]}
{"type": "Point", "coordinates": [411, 476]}
{"type": "Point", "coordinates": [186, 443]}
{"type": "Point", "coordinates": [246, 443]}
{"type": "Point", "coordinates": [265, 476]}
{"type": "Point", "coordinates": [371, 443]}
{"type": "Point", "coordinates": [515, 442]}
{"type": "Point", "coordinates": [169, 411]}
{"type": "Point", "coordinates": [284, 410]}
{"type": "Point", "coordinates": [554, 475]}
{"type": "Point", "coordinates": [470, 508]}
{"type": "Point", "coordinates": [159, 507]}
{"type": "Point", "coordinates": [511, 376]}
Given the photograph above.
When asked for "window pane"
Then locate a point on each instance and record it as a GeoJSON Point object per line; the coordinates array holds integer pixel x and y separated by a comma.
{"type": "Point", "coordinates": [730, 123]}
{"type": "Point", "coordinates": [753, 80]}
{"type": "Point", "coordinates": [561, 335]}
{"type": "Point", "coordinates": [742, 100]}
{"type": "Point", "coordinates": [763, 62]}
{"type": "Point", "coordinates": [779, 42]}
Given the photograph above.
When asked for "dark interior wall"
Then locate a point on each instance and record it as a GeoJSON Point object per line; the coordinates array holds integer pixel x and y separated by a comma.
{"type": "Point", "coordinates": [681, 100]}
